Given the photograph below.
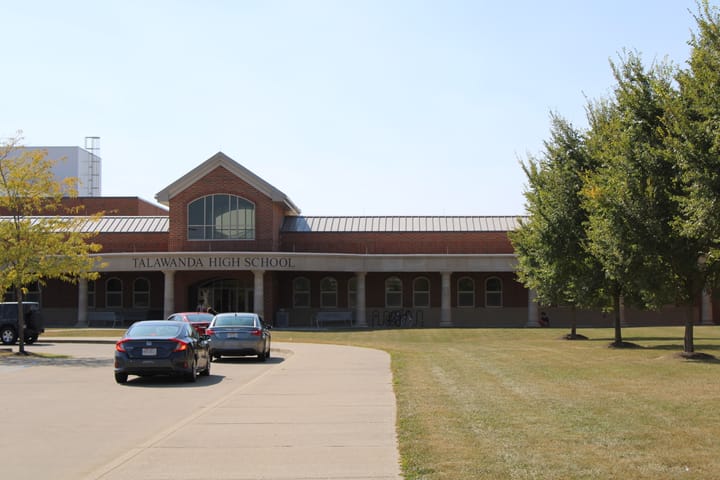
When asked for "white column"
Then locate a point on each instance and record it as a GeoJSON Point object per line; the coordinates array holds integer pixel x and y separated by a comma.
{"type": "Point", "coordinates": [706, 309]}
{"type": "Point", "coordinates": [446, 301]}
{"type": "Point", "coordinates": [532, 318]}
{"type": "Point", "coordinates": [258, 293]}
{"type": "Point", "coordinates": [82, 320]}
{"type": "Point", "coordinates": [169, 295]}
{"type": "Point", "coordinates": [360, 316]}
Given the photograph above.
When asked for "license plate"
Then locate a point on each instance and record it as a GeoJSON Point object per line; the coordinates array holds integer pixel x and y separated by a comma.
{"type": "Point", "coordinates": [233, 335]}
{"type": "Point", "coordinates": [147, 352]}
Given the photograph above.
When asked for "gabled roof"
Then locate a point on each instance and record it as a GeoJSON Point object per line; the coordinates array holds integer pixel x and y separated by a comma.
{"type": "Point", "coordinates": [301, 224]}
{"type": "Point", "coordinates": [222, 160]}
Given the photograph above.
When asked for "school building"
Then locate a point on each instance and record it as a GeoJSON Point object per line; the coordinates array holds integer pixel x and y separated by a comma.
{"type": "Point", "coordinates": [230, 240]}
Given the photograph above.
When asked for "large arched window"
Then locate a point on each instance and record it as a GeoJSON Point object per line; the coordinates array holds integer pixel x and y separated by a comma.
{"type": "Point", "coordinates": [421, 292]}
{"type": "Point", "coordinates": [328, 292]}
{"type": "Point", "coordinates": [301, 292]}
{"type": "Point", "coordinates": [466, 292]}
{"type": "Point", "coordinates": [393, 293]}
{"type": "Point", "coordinates": [493, 292]}
{"type": "Point", "coordinates": [221, 217]}
{"type": "Point", "coordinates": [113, 293]}
{"type": "Point", "coordinates": [141, 293]}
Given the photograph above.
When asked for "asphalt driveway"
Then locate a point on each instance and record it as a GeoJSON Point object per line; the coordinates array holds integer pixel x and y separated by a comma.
{"type": "Point", "coordinates": [309, 412]}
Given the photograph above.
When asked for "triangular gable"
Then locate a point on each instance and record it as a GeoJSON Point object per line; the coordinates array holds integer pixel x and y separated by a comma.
{"type": "Point", "coordinates": [222, 160]}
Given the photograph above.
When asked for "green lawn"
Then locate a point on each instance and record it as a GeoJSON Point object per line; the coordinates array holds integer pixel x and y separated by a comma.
{"type": "Point", "coordinates": [526, 404]}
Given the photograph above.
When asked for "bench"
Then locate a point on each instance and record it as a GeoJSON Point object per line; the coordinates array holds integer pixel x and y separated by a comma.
{"type": "Point", "coordinates": [333, 317]}
{"type": "Point", "coordinates": [104, 319]}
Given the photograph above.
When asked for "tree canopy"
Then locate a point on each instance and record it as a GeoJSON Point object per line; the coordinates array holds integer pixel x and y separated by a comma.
{"type": "Point", "coordinates": [38, 240]}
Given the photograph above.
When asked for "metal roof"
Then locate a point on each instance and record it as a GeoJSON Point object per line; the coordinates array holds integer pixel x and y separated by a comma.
{"type": "Point", "coordinates": [302, 224]}
{"type": "Point", "coordinates": [110, 224]}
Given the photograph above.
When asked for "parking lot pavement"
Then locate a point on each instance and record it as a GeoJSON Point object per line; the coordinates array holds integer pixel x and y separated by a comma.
{"type": "Point", "coordinates": [309, 412]}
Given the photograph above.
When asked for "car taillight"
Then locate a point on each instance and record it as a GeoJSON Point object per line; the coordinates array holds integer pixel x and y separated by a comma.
{"type": "Point", "coordinates": [209, 331]}
{"type": "Point", "coordinates": [256, 333]}
{"type": "Point", "coordinates": [180, 346]}
{"type": "Point", "coordinates": [120, 346]}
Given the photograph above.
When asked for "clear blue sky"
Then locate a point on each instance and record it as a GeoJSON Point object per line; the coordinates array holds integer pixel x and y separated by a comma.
{"type": "Point", "coordinates": [356, 107]}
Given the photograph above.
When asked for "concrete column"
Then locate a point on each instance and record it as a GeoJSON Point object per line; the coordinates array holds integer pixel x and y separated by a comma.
{"type": "Point", "coordinates": [169, 295]}
{"type": "Point", "coordinates": [360, 316]}
{"type": "Point", "coordinates": [259, 293]}
{"type": "Point", "coordinates": [706, 309]}
{"type": "Point", "coordinates": [446, 301]}
{"type": "Point", "coordinates": [532, 318]}
{"type": "Point", "coordinates": [82, 320]}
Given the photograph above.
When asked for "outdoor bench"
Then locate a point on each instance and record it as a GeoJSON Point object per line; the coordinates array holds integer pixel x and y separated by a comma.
{"type": "Point", "coordinates": [333, 317]}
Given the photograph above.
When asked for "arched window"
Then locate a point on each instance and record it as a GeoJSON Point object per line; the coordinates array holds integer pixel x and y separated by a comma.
{"type": "Point", "coordinates": [466, 292]}
{"type": "Point", "coordinates": [421, 292]}
{"type": "Point", "coordinates": [393, 293]}
{"type": "Point", "coordinates": [221, 217]}
{"type": "Point", "coordinates": [301, 292]}
{"type": "Point", "coordinates": [352, 292]}
{"type": "Point", "coordinates": [328, 292]}
{"type": "Point", "coordinates": [493, 292]}
{"type": "Point", "coordinates": [113, 293]}
{"type": "Point", "coordinates": [141, 293]}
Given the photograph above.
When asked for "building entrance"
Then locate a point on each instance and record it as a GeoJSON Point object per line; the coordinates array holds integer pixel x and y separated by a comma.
{"type": "Point", "coordinates": [227, 295]}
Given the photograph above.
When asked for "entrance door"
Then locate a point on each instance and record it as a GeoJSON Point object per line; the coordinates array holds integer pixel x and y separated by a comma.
{"type": "Point", "coordinates": [227, 295]}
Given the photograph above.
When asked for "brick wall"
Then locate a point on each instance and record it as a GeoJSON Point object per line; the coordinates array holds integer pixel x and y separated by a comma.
{"type": "Point", "coordinates": [221, 181]}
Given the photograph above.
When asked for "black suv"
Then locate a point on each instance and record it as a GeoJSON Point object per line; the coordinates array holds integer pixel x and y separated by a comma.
{"type": "Point", "coordinates": [9, 322]}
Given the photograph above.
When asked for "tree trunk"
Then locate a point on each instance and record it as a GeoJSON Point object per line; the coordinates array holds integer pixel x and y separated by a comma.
{"type": "Point", "coordinates": [618, 327]}
{"type": "Point", "coordinates": [573, 325]}
{"type": "Point", "coordinates": [21, 321]}
{"type": "Point", "coordinates": [689, 342]}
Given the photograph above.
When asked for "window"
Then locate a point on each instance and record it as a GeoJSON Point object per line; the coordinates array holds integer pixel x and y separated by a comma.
{"type": "Point", "coordinates": [328, 292]}
{"type": "Point", "coordinates": [421, 292]}
{"type": "Point", "coordinates": [141, 293]}
{"type": "Point", "coordinates": [493, 292]}
{"type": "Point", "coordinates": [221, 217]}
{"type": "Point", "coordinates": [91, 293]}
{"type": "Point", "coordinates": [466, 292]}
{"type": "Point", "coordinates": [393, 293]}
{"type": "Point", "coordinates": [352, 292]}
{"type": "Point", "coordinates": [113, 292]}
{"type": "Point", "coordinates": [301, 292]}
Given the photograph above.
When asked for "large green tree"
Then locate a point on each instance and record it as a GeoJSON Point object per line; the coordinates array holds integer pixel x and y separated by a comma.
{"type": "Point", "coordinates": [634, 196]}
{"type": "Point", "coordinates": [34, 249]}
{"type": "Point", "coordinates": [550, 243]}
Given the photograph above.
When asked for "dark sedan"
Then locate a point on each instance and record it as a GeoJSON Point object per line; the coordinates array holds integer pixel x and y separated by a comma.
{"type": "Point", "coordinates": [199, 320]}
{"type": "Point", "coordinates": [161, 347]}
{"type": "Point", "coordinates": [239, 334]}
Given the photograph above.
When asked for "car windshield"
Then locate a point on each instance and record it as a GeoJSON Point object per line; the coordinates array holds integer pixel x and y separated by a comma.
{"type": "Point", "coordinates": [234, 321]}
{"type": "Point", "coordinates": [138, 331]}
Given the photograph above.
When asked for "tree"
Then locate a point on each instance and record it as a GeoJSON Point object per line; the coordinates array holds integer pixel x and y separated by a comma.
{"type": "Point", "coordinates": [695, 140]}
{"type": "Point", "coordinates": [634, 196]}
{"type": "Point", "coordinates": [34, 249]}
{"type": "Point", "coordinates": [551, 243]}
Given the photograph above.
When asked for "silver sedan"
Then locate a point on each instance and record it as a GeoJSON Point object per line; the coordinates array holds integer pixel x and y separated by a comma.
{"type": "Point", "coordinates": [239, 334]}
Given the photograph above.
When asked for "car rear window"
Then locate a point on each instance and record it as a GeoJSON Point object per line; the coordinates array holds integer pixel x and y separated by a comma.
{"type": "Point", "coordinates": [200, 317]}
{"type": "Point", "coordinates": [234, 321]}
{"type": "Point", "coordinates": [137, 331]}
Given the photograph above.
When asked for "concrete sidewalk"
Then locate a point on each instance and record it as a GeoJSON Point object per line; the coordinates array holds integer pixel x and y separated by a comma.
{"type": "Point", "coordinates": [324, 412]}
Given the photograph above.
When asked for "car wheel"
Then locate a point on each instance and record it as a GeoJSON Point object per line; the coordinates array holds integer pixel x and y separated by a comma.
{"type": "Point", "coordinates": [267, 355]}
{"type": "Point", "coordinates": [262, 356]}
{"type": "Point", "coordinates": [121, 377]}
{"type": "Point", "coordinates": [31, 339]}
{"type": "Point", "coordinates": [8, 335]}
{"type": "Point", "coordinates": [191, 376]}
{"type": "Point", "coordinates": [206, 372]}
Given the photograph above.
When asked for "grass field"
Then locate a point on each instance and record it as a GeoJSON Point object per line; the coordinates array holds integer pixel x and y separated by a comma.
{"type": "Point", "coordinates": [526, 404]}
